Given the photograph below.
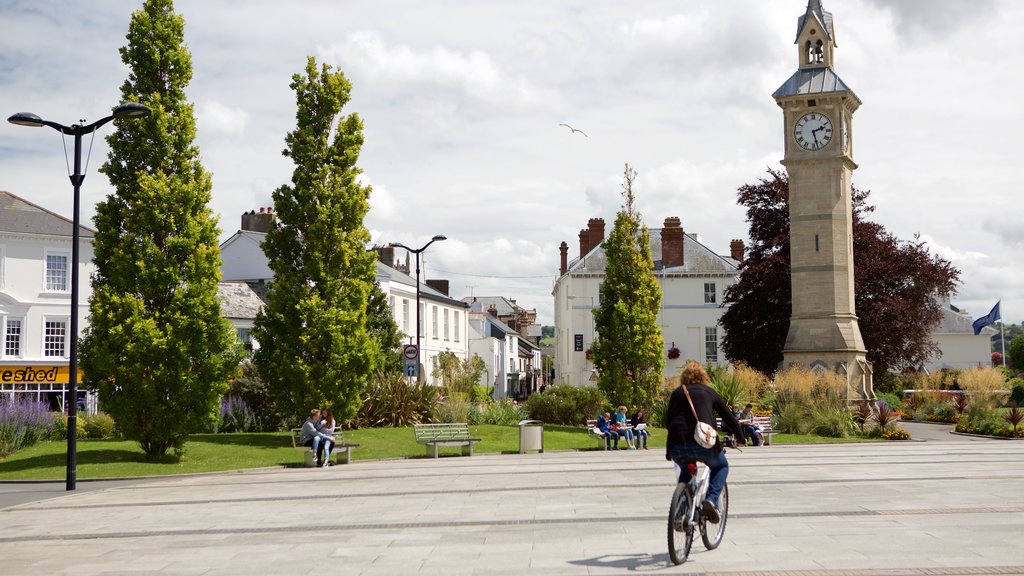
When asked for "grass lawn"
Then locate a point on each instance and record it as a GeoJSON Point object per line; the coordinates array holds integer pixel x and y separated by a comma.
{"type": "Point", "coordinates": [222, 452]}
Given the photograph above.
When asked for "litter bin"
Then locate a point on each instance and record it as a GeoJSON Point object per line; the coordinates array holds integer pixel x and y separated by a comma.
{"type": "Point", "coordinates": [531, 436]}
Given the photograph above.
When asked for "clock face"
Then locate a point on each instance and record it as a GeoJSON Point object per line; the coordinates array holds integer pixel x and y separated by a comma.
{"type": "Point", "coordinates": [813, 131]}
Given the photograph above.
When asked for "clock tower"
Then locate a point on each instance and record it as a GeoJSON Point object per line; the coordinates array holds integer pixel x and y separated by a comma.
{"type": "Point", "coordinates": [817, 108]}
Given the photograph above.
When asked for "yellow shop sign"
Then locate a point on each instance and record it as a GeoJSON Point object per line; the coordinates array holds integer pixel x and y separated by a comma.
{"type": "Point", "coordinates": [35, 374]}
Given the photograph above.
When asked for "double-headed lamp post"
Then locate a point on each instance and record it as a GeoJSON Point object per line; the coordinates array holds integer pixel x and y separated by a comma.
{"type": "Point", "coordinates": [130, 110]}
{"type": "Point", "coordinates": [417, 252]}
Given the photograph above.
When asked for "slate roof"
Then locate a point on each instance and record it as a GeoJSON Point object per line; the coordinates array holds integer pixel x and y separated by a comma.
{"type": "Point", "coordinates": [425, 291]}
{"type": "Point", "coordinates": [820, 80]}
{"type": "Point", "coordinates": [20, 216]}
{"type": "Point", "coordinates": [697, 259]}
{"type": "Point", "coordinates": [238, 300]}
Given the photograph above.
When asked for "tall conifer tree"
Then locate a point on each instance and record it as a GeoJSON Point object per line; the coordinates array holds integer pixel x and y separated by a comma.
{"type": "Point", "coordinates": [628, 349]}
{"type": "Point", "coordinates": [315, 347]}
{"type": "Point", "coordinates": [157, 349]}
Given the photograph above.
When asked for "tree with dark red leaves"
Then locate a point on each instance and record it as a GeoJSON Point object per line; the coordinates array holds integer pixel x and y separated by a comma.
{"type": "Point", "coordinates": [896, 282]}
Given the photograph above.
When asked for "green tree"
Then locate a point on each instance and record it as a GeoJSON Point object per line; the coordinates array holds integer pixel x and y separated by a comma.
{"type": "Point", "coordinates": [1015, 353]}
{"type": "Point", "coordinates": [628, 349]}
{"type": "Point", "coordinates": [387, 339]}
{"type": "Point", "coordinates": [315, 346]}
{"type": "Point", "coordinates": [157, 349]}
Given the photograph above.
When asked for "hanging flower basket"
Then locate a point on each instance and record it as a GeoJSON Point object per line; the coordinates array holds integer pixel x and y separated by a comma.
{"type": "Point", "coordinates": [673, 352]}
{"type": "Point", "coordinates": [588, 353]}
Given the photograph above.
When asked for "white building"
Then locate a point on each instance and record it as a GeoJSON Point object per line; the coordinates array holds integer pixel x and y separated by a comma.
{"type": "Point", "coordinates": [692, 277]}
{"type": "Point", "coordinates": [960, 348]}
{"type": "Point", "coordinates": [497, 344]}
{"type": "Point", "coordinates": [444, 322]}
{"type": "Point", "coordinates": [35, 300]}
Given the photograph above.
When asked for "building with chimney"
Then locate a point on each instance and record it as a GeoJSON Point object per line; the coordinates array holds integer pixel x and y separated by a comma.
{"type": "Point", "coordinates": [444, 321]}
{"type": "Point", "coordinates": [692, 277]}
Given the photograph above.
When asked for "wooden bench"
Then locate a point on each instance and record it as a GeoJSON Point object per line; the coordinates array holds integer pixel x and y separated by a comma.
{"type": "Point", "coordinates": [342, 450]}
{"type": "Point", "coordinates": [450, 434]}
{"type": "Point", "coordinates": [765, 422]}
{"type": "Point", "coordinates": [593, 429]}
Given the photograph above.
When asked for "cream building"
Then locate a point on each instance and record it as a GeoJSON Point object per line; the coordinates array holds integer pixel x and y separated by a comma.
{"type": "Point", "coordinates": [444, 321]}
{"type": "Point", "coordinates": [35, 301]}
{"type": "Point", "coordinates": [692, 278]}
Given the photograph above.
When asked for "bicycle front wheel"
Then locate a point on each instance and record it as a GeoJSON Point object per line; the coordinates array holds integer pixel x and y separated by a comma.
{"type": "Point", "coordinates": [680, 528]}
{"type": "Point", "coordinates": [711, 532]}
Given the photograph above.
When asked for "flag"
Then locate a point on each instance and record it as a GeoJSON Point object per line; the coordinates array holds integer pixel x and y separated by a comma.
{"type": "Point", "coordinates": [987, 319]}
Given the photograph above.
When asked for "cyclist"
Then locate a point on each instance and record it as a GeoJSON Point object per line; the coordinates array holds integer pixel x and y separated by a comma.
{"type": "Point", "coordinates": [681, 424]}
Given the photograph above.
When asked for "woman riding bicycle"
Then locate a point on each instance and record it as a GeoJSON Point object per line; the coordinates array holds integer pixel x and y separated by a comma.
{"type": "Point", "coordinates": [682, 446]}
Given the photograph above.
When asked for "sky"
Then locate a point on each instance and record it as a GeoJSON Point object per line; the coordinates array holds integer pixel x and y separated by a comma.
{"type": "Point", "coordinates": [462, 104]}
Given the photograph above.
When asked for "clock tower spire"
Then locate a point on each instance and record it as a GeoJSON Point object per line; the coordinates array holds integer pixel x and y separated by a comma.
{"type": "Point", "coordinates": [817, 108]}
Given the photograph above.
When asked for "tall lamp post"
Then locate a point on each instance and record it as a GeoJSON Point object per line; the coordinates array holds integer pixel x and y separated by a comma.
{"type": "Point", "coordinates": [417, 252]}
{"type": "Point", "coordinates": [130, 110]}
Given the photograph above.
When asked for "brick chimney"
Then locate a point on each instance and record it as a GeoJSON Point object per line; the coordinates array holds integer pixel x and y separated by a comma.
{"type": "Point", "coordinates": [736, 250]}
{"type": "Point", "coordinates": [563, 252]}
{"type": "Point", "coordinates": [595, 232]}
{"type": "Point", "coordinates": [584, 243]}
{"type": "Point", "coordinates": [439, 285]}
{"type": "Point", "coordinates": [386, 254]}
{"type": "Point", "coordinates": [672, 242]}
{"type": "Point", "coordinates": [258, 222]}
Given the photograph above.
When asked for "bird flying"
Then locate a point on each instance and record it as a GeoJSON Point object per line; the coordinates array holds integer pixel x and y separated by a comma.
{"type": "Point", "coordinates": [574, 130]}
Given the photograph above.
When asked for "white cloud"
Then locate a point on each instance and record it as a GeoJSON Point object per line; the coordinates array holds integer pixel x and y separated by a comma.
{"type": "Point", "coordinates": [472, 72]}
{"type": "Point", "coordinates": [218, 119]}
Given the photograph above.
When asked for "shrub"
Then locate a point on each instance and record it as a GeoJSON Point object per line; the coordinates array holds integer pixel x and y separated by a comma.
{"type": "Point", "coordinates": [791, 418]}
{"type": "Point", "coordinates": [1013, 417]}
{"type": "Point", "coordinates": [943, 413]}
{"type": "Point", "coordinates": [504, 413]}
{"type": "Point", "coordinates": [481, 394]}
{"type": "Point", "coordinates": [235, 416]}
{"type": "Point", "coordinates": [895, 434]}
{"type": "Point", "coordinates": [891, 399]}
{"type": "Point", "coordinates": [983, 384]}
{"type": "Point", "coordinates": [455, 408]}
{"type": "Point", "coordinates": [60, 427]}
{"type": "Point", "coordinates": [565, 404]}
{"type": "Point", "coordinates": [390, 400]}
{"type": "Point", "coordinates": [1016, 391]}
{"type": "Point", "coordinates": [831, 419]}
{"type": "Point", "coordinates": [884, 415]}
{"type": "Point", "coordinates": [23, 422]}
{"type": "Point", "coordinates": [861, 414]}
{"type": "Point", "coordinates": [255, 392]}
{"type": "Point", "coordinates": [729, 387]}
{"type": "Point", "coordinates": [98, 426]}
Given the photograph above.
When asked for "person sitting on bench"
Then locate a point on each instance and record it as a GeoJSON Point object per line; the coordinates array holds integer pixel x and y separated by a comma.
{"type": "Point", "coordinates": [320, 442]}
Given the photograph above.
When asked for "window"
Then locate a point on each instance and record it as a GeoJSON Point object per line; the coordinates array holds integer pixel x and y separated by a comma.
{"type": "Point", "coordinates": [391, 304]}
{"type": "Point", "coordinates": [419, 316]}
{"type": "Point", "coordinates": [709, 292]}
{"type": "Point", "coordinates": [711, 344]}
{"type": "Point", "coordinates": [243, 336]}
{"type": "Point", "coordinates": [433, 323]}
{"type": "Point", "coordinates": [54, 335]}
{"type": "Point", "coordinates": [445, 323]}
{"type": "Point", "coordinates": [12, 338]}
{"type": "Point", "coordinates": [56, 273]}
{"type": "Point", "coordinates": [456, 325]}
{"type": "Point", "coordinates": [405, 315]}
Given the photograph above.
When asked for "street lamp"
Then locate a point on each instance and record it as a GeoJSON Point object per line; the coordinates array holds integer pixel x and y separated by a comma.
{"type": "Point", "coordinates": [130, 110]}
{"type": "Point", "coordinates": [417, 252]}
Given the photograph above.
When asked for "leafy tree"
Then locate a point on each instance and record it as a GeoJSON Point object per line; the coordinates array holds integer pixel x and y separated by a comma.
{"type": "Point", "coordinates": [384, 332]}
{"type": "Point", "coordinates": [315, 345]}
{"type": "Point", "coordinates": [157, 349]}
{"type": "Point", "coordinates": [895, 284]}
{"type": "Point", "coordinates": [628, 349]}
{"type": "Point", "coordinates": [1015, 354]}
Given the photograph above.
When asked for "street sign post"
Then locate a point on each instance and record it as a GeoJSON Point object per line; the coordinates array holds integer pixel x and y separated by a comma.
{"type": "Point", "coordinates": [411, 355]}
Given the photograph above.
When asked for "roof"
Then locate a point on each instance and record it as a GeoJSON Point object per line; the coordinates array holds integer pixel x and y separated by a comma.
{"type": "Point", "coordinates": [425, 290]}
{"type": "Point", "coordinates": [955, 322]}
{"type": "Point", "coordinates": [20, 216]}
{"type": "Point", "coordinates": [698, 259]}
{"type": "Point", "coordinates": [820, 80]}
{"type": "Point", "coordinates": [238, 300]}
{"type": "Point", "coordinates": [503, 305]}
{"type": "Point", "coordinates": [814, 10]}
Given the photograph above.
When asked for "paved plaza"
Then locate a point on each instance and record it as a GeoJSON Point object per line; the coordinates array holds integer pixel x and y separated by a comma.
{"type": "Point", "coordinates": [946, 505]}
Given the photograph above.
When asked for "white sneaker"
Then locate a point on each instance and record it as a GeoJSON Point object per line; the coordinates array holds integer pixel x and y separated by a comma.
{"type": "Point", "coordinates": [327, 462]}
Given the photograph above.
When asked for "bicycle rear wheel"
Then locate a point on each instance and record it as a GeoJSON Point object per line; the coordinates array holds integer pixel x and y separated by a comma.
{"type": "Point", "coordinates": [680, 529]}
{"type": "Point", "coordinates": [711, 532]}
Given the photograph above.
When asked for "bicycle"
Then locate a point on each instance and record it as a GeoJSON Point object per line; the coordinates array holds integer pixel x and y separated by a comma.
{"type": "Point", "coordinates": [685, 515]}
